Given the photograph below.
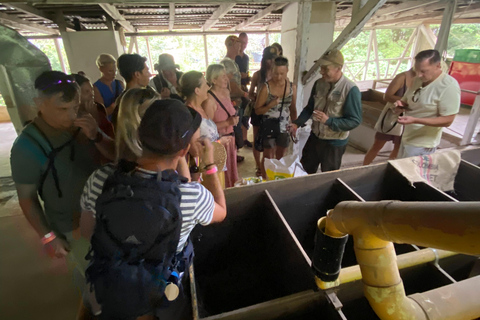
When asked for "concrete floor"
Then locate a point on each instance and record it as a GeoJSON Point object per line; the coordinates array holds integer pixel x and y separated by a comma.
{"type": "Point", "coordinates": [32, 286]}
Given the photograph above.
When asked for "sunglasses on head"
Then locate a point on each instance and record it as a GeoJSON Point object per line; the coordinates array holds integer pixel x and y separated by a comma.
{"type": "Point", "coordinates": [56, 83]}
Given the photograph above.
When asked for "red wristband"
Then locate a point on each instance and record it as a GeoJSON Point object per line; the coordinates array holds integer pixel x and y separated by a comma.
{"type": "Point", "coordinates": [212, 170]}
{"type": "Point", "coordinates": [49, 237]}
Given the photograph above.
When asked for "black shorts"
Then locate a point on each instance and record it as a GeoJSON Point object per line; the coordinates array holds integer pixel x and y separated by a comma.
{"type": "Point", "coordinates": [255, 119]}
{"type": "Point", "coordinates": [282, 140]}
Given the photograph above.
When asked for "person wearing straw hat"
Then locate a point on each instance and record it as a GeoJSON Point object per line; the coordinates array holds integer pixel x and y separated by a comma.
{"type": "Point", "coordinates": [335, 107]}
{"type": "Point", "coordinates": [166, 81]}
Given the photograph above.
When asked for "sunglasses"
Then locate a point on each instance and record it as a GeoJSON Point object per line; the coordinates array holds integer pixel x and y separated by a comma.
{"type": "Point", "coordinates": [416, 94]}
{"type": "Point", "coordinates": [56, 83]}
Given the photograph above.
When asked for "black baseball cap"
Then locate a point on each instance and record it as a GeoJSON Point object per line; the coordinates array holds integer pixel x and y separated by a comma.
{"type": "Point", "coordinates": [168, 126]}
{"type": "Point", "coordinates": [269, 53]}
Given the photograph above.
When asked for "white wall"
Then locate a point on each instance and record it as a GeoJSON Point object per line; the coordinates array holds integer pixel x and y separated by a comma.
{"type": "Point", "coordinates": [322, 24]}
{"type": "Point", "coordinates": [320, 36]}
{"type": "Point", "coordinates": [83, 47]}
{"type": "Point", "coordinates": [289, 34]}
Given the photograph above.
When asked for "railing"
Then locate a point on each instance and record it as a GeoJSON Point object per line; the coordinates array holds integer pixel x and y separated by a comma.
{"type": "Point", "coordinates": [365, 67]}
{"type": "Point", "coordinates": [472, 119]}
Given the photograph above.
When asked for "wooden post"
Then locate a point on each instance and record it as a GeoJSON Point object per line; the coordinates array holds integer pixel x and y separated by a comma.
{"type": "Point", "coordinates": [472, 121]}
{"type": "Point", "coordinates": [409, 43]}
{"type": "Point", "coordinates": [60, 55]}
{"type": "Point", "coordinates": [149, 55]}
{"type": "Point", "coordinates": [413, 53]}
{"type": "Point", "coordinates": [357, 5]}
{"type": "Point", "coordinates": [131, 44]}
{"type": "Point", "coordinates": [375, 51]}
{"type": "Point", "coordinates": [136, 45]}
{"type": "Point", "coordinates": [428, 33]}
{"type": "Point", "coordinates": [369, 48]}
{"type": "Point", "coordinates": [267, 39]}
{"type": "Point", "coordinates": [442, 40]}
{"type": "Point", "coordinates": [205, 47]}
{"type": "Point", "coordinates": [301, 49]}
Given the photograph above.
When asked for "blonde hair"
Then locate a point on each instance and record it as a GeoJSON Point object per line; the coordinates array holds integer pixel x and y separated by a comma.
{"type": "Point", "coordinates": [132, 107]}
{"type": "Point", "coordinates": [105, 59]}
{"type": "Point", "coordinates": [213, 72]}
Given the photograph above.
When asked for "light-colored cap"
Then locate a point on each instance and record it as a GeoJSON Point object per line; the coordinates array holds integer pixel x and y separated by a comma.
{"type": "Point", "coordinates": [332, 57]}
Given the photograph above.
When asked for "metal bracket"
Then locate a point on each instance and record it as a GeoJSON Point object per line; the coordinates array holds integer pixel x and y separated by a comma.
{"type": "Point", "coordinates": [337, 304]}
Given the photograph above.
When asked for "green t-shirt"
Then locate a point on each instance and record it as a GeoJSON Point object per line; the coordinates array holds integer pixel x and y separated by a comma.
{"type": "Point", "coordinates": [28, 163]}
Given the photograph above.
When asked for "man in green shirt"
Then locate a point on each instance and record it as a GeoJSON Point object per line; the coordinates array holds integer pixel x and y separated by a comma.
{"type": "Point", "coordinates": [335, 106]}
{"type": "Point", "coordinates": [52, 158]}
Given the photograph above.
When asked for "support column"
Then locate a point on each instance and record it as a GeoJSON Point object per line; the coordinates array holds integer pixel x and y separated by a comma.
{"type": "Point", "coordinates": [442, 40]}
{"type": "Point", "coordinates": [357, 5]}
{"type": "Point", "coordinates": [307, 31]}
{"type": "Point", "coordinates": [83, 47]}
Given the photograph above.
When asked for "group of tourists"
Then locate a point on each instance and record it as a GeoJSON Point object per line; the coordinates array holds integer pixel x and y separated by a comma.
{"type": "Point", "coordinates": [165, 147]}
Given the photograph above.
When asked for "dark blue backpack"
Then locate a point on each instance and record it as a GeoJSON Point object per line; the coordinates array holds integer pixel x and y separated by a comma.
{"type": "Point", "coordinates": [133, 253]}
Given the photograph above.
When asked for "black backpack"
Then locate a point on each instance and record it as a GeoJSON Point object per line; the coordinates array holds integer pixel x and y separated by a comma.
{"type": "Point", "coordinates": [133, 254]}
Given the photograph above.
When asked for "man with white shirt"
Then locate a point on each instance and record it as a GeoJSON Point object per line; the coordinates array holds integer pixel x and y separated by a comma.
{"type": "Point", "coordinates": [429, 105]}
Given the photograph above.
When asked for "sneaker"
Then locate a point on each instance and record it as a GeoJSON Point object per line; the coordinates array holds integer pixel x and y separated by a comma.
{"type": "Point", "coordinates": [240, 159]}
{"type": "Point", "coordinates": [247, 143]}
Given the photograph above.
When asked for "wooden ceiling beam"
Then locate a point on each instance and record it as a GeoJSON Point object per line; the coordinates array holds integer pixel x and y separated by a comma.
{"type": "Point", "coordinates": [30, 10]}
{"type": "Point", "coordinates": [218, 14]}
{"type": "Point", "coordinates": [469, 11]}
{"type": "Point", "coordinates": [274, 25]}
{"type": "Point", "coordinates": [17, 23]}
{"type": "Point", "coordinates": [406, 6]}
{"type": "Point", "coordinates": [260, 15]}
{"type": "Point", "coordinates": [113, 12]}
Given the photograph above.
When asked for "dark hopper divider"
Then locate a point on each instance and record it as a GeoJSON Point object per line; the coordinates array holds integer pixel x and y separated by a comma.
{"type": "Point", "coordinates": [256, 264]}
{"type": "Point", "coordinates": [248, 259]}
{"type": "Point", "coordinates": [467, 183]}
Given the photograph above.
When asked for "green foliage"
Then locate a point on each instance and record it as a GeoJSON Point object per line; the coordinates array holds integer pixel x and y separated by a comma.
{"type": "Point", "coordinates": [48, 47]}
{"type": "Point", "coordinates": [390, 42]}
{"type": "Point", "coordinates": [189, 51]}
{"type": "Point", "coordinates": [462, 36]}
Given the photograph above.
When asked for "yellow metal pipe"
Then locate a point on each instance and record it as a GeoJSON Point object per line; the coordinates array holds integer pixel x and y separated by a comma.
{"type": "Point", "coordinates": [354, 273]}
{"type": "Point", "coordinates": [404, 261]}
{"type": "Point", "coordinates": [450, 226]}
{"type": "Point", "coordinates": [443, 225]}
{"type": "Point", "coordinates": [457, 301]}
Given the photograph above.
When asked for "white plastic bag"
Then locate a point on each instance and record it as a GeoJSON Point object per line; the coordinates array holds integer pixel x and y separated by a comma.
{"type": "Point", "coordinates": [287, 167]}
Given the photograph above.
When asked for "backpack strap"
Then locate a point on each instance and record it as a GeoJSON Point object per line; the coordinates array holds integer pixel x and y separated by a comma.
{"type": "Point", "coordinates": [50, 155]}
{"type": "Point", "coordinates": [124, 169]}
{"type": "Point", "coordinates": [221, 104]}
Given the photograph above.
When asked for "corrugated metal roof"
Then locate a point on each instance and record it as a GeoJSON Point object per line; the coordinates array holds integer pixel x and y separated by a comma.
{"type": "Point", "coordinates": [195, 15]}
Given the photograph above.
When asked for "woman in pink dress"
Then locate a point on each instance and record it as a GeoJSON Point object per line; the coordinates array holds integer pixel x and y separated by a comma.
{"type": "Point", "coordinates": [219, 107]}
